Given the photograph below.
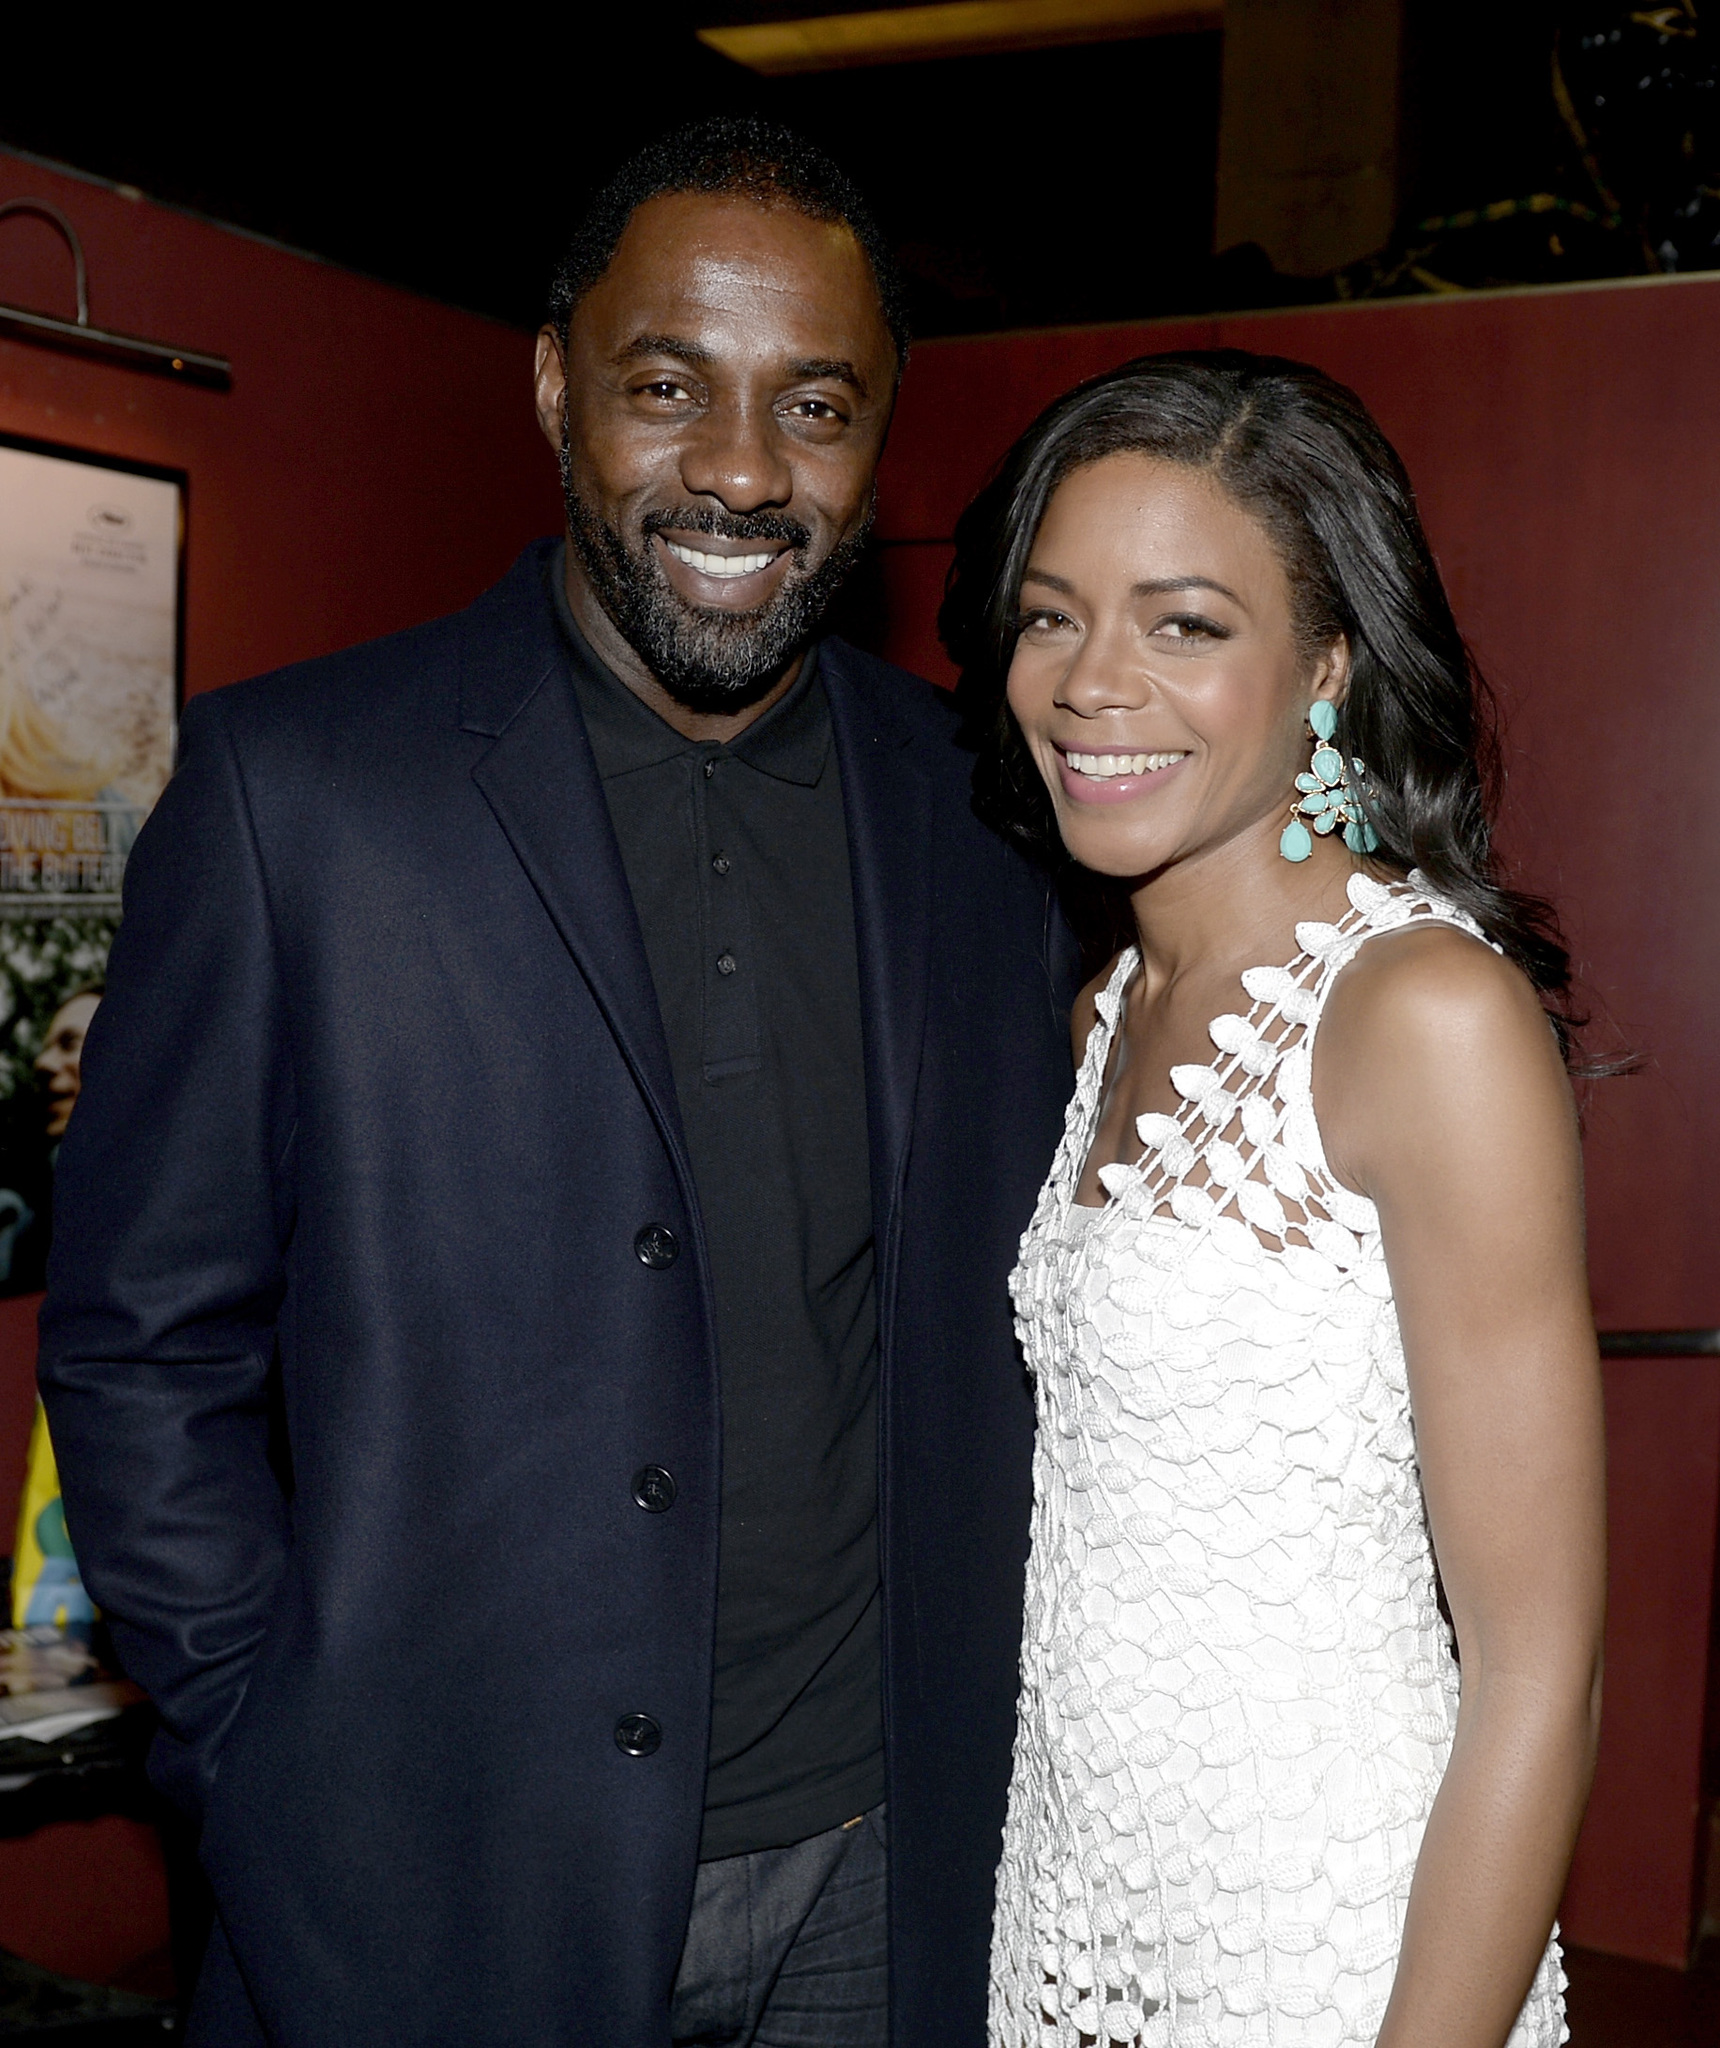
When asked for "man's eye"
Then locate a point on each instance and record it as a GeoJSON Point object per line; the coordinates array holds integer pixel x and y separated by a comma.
{"type": "Point", "coordinates": [664, 387]}
{"type": "Point", "coordinates": [814, 409]}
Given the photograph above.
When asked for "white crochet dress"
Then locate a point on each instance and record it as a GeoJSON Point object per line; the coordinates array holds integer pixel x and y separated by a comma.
{"type": "Point", "coordinates": [1238, 1692]}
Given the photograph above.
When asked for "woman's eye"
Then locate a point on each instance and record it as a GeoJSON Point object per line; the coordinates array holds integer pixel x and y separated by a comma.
{"type": "Point", "coordinates": [1044, 620]}
{"type": "Point", "coordinates": [1190, 626]}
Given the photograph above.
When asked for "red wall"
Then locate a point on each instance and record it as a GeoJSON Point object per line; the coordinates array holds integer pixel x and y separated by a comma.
{"type": "Point", "coordinates": [375, 463]}
{"type": "Point", "coordinates": [1566, 449]}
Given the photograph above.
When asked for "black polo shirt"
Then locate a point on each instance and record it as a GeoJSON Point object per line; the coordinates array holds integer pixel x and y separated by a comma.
{"type": "Point", "coordinates": [737, 858]}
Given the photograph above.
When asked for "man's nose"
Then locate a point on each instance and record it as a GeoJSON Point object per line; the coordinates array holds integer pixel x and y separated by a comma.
{"type": "Point", "coordinates": [737, 454]}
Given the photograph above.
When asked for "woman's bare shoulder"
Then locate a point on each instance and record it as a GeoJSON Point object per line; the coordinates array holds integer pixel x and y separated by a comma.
{"type": "Point", "coordinates": [1432, 985]}
{"type": "Point", "coordinates": [1433, 1043]}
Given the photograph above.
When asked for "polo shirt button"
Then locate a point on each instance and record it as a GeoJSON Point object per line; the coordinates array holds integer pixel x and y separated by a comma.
{"type": "Point", "coordinates": [657, 1246]}
{"type": "Point", "coordinates": [725, 963]}
{"type": "Point", "coordinates": [638, 1735]}
{"type": "Point", "coordinates": [721, 863]}
{"type": "Point", "coordinates": [654, 1489]}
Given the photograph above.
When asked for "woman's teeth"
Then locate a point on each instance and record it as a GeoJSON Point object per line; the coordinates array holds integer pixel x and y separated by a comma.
{"type": "Point", "coordinates": [1103, 766]}
{"type": "Point", "coordinates": [720, 565]}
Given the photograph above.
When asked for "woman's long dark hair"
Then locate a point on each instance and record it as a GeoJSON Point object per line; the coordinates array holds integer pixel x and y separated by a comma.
{"type": "Point", "coordinates": [1301, 454]}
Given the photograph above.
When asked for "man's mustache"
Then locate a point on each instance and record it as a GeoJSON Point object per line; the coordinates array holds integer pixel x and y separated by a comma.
{"type": "Point", "coordinates": [729, 525]}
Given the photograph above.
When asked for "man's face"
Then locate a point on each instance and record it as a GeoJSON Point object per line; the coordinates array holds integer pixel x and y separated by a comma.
{"type": "Point", "coordinates": [720, 413]}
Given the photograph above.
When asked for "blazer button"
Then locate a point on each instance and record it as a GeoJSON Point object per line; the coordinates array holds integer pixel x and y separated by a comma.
{"type": "Point", "coordinates": [657, 1246]}
{"type": "Point", "coordinates": [638, 1735]}
{"type": "Point", "coordinates": [654, 1489]}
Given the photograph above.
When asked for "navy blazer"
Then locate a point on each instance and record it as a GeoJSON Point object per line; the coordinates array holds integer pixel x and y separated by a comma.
{"type": "Point", "coordinates": [350, 1357]}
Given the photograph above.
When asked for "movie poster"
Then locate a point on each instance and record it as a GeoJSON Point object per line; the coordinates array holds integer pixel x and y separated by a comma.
{"type": "Point", "coordinates": [90, 633]}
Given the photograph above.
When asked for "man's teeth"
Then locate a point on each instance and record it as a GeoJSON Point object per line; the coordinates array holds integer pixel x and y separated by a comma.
{"type": "Point", "coordinates": [1101, 767]}
{"type": "Point", "coordinates": [720, 565]}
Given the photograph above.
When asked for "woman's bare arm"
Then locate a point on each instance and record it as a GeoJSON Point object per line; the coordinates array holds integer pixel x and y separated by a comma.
{"type": "Point", "coordinates": [1441, 1096]}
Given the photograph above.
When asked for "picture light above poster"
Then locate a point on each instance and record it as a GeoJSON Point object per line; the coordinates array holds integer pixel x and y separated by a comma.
{"type": "Point", "coordinates": [79, 337]}
{"type": "Point", "coordinates": [92, 599]}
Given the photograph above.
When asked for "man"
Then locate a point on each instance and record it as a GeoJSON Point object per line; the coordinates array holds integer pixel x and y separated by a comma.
{"type": "Point", "coordinates": [581, 1071]}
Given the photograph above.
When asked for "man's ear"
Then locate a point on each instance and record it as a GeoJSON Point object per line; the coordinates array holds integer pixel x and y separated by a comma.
{"type": "Point", "coordinates": [549, 380]}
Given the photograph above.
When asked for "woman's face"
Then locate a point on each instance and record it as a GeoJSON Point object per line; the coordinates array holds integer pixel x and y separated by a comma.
{"type": "Point", "coordinates": [1157, 679]}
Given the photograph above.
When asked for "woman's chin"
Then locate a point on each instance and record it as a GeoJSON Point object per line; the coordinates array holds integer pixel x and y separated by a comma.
{"type": "Point", "coordinates": [1116, 856]}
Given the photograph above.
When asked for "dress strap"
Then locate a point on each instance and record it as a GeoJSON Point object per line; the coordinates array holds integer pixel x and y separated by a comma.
{"type": "Point", "coordinates": [1243, 1153]}
{"type": "Point", "coordinates": [1375, 907]}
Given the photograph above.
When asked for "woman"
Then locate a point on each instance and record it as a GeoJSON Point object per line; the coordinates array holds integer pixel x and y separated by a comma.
{"type": "Point", "coordinates": [1304, 1294]}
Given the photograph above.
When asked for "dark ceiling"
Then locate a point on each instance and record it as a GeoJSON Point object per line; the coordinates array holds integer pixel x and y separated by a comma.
{"type": "Point", "coordinates": [1037, 188]}
{"type": "Point", "coordinates": [1021, 188]}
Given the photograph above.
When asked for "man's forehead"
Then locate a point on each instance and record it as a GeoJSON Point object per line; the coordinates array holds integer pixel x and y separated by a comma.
{"type": "Point", "coordinates": [721, 269]}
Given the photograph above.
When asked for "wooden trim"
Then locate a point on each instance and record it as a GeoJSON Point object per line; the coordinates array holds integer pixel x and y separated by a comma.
{"type": "Point", "coordinates": [1660, 1343]}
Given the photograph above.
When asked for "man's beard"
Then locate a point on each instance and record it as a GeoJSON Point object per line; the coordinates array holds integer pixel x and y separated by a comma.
{"type": "Point", "coordinates": [707, 660]}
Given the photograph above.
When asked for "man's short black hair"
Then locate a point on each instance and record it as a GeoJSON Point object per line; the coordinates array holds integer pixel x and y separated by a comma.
{"type": "Point", "coordinates": [753, 158]}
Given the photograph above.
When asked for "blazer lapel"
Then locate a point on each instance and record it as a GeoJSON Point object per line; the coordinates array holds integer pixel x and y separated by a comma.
{"type": "Point", "coordinates": [541, 781]}
{"type": "Point", "coordinates": [889, 813]}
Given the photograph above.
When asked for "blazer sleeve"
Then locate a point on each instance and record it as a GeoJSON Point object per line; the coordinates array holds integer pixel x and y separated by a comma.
{"type": "Point", "coordinates": [172, 1214]}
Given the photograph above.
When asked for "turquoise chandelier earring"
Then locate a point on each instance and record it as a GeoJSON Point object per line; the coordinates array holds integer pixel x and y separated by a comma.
{"type": "Point", "coordinates": [1324, 797]}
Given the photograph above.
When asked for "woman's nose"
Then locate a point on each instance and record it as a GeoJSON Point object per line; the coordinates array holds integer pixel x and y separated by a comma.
{"type": "Point", "coordinates": [1106, 674]}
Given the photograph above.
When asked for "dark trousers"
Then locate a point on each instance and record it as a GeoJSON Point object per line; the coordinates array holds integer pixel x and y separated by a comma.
{"type": "Point", "coordinates": [787, 1948]}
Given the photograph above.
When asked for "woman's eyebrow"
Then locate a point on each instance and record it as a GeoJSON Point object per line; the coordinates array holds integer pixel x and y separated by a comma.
{"type": "Point", "coordinates": [1156, 586]}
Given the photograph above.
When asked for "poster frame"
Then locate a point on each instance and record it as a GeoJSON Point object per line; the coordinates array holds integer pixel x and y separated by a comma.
{"type": "Point", "coordinates": [126, 465]}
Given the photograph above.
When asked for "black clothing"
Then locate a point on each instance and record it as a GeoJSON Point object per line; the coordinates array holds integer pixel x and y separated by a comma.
{"type": "Point", "coordinates": [378, 1147]}
{"type": "Point", "coordinates": [737, 860]}
{"type": "Point", "coordinates": [791, 1945]}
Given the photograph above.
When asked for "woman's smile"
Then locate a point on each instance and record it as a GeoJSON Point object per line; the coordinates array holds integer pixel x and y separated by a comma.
{"type": "Point", "coordinates": [1114, 778]}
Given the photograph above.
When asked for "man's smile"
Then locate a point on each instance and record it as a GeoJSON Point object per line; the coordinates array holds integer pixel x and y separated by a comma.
{"type": "Point", "coordinates": [710, 561]}
{"type": "Point", "coordinates": [713, 571]}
